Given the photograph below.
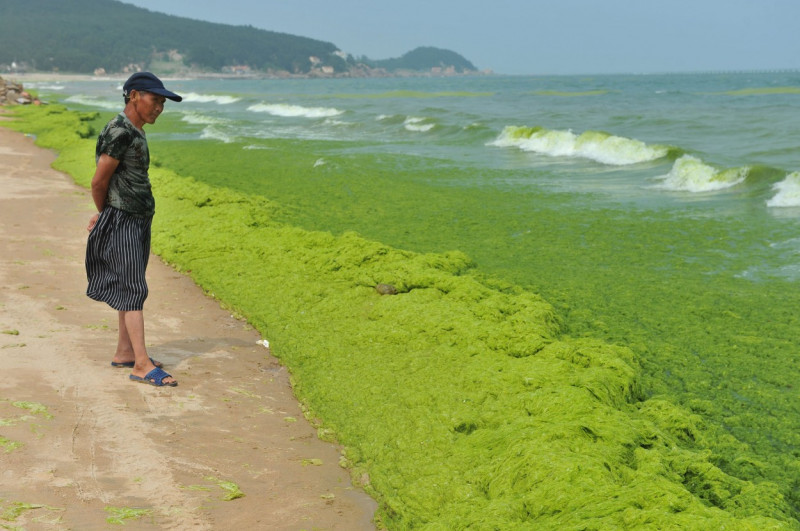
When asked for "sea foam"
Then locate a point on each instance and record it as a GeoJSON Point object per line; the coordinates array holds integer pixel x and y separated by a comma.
{"type": "Point", "coordinates": [594, 145]}
{"type": "Point", "coordinates": [213, 133]}
{"type": "Point", "coordinates": [690, 174]}
{"type": "Point", "coordinates": [194, 97]}
{"type": "Point", "coordinates": [200, 119]}
{"type": "Point", "coordinates": [294, 111]}
{"type": "Point", "coordinates": [44, 86]}
{"type": "Point", "coordinates": [418, 125]}
{"type": "Point", "coordinates": [94, 102]}
{"type": "Point", "coordinates": [787, 192]}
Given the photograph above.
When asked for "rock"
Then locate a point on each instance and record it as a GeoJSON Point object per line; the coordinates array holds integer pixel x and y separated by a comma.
{"type": "Point", "coordinates": [12, 93]}
{"type": "Point", "coordinates": [386, 289]}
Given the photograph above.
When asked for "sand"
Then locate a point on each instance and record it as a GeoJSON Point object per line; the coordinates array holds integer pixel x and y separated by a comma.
{"type": "Point", "coordinates": [105, 442]}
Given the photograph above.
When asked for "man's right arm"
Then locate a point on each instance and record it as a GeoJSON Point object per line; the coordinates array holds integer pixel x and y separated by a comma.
{"type": "Point", "coordinates": [106, 166]}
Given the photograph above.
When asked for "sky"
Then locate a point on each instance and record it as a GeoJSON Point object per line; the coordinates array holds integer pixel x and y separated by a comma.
{"type": "Point", "coordinates": [538, 37]}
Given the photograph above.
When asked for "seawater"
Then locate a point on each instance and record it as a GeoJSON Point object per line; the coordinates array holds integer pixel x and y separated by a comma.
{"type": "Point", "coordinates": [659, 212]}
{"type": "Point", "coordinates": [685, 133]}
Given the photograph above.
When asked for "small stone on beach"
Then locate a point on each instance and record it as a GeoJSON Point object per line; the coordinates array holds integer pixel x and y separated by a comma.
{"type": "Point", "coordinates": [386, 289]}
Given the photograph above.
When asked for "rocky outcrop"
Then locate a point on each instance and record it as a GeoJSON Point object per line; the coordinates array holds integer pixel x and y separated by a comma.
{"type": "Point", "coordinates": [13, 94]}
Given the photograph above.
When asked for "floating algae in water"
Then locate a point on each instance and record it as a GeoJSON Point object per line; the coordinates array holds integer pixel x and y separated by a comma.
{"type": "Point", "coordinates": [760, 91]}
{"type": "Point", "coordinates": [576, 93]}
{"type": "Point", "coordinates": [414, 94]}
{"type": "Point", "coordinates": [475, 382]}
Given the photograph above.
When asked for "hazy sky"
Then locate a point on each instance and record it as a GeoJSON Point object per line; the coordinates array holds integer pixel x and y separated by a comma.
{"type": "Point", "coordinates": [535, 36]}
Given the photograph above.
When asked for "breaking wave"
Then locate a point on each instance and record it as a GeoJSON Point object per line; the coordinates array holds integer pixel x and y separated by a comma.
{"type": "Point", "coordinates": [787, 192]}
{"type": "Point", "coordinates": [294, 111]}
{"type": "Point", "coordinates": [690, 174]}
{"type": "Point", "coordinates": [194, 97]}
{"type": "Point", "coordinates": [594, 145]}
{"type": "Point", "coordinates": [213, 133]}
{"type": "Point", "coordinates": [417, 125]}
{"type": "Point", "coordinates": [200, 119]}
{"type": "Point", "coordinates": [94, 102]}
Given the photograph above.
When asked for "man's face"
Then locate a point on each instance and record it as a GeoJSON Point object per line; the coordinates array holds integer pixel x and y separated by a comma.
{"type": "Point", "coordinates": [147, 105]}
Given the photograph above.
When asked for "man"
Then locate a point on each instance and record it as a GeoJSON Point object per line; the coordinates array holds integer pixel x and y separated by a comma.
{"type": "Point", "coordinates": [119, 234]}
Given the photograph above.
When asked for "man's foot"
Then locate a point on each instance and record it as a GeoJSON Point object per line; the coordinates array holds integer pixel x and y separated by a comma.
{"type": "Point", "coordinates": [130, 364]}
{"type": "Point", "coordinates": [157, 377]}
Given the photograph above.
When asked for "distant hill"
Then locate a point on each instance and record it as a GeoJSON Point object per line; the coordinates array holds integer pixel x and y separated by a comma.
{"type": "Point", "coordinates": [428, 58]}
{"type": "Point", "coordinates": [108, 36]}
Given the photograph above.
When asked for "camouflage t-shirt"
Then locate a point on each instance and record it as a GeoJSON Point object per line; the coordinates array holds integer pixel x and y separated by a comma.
{"type": "Point", "coordinates": [129, 189]}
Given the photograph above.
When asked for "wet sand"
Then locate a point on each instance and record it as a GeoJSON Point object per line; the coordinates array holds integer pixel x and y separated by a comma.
{"type": "Point", "coordinates": [105, 442]}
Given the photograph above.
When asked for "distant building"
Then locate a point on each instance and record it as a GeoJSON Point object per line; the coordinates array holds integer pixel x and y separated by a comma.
{"type": "Point", "coordinates": [239, 70]}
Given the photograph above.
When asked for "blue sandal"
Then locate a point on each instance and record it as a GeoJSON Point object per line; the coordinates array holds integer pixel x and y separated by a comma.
{"type": "Point", "coordinates": [155, 377]}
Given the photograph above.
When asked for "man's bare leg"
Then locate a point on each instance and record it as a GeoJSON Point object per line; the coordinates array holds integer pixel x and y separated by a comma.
{"type": "Point", "coordinates": [134, 330]}
{"type": "Point", "coordinates": [125, 353]}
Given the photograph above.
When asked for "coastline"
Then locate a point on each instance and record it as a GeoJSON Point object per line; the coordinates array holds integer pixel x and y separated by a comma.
{"type": "Point", "coordinates": [53, 76]}
{"type": "Point", "coordinates": [38, 77]}
{"type": "Point", "coordinates": [81, 441]}
{"type": "Point", "coordinates": [347, 347]}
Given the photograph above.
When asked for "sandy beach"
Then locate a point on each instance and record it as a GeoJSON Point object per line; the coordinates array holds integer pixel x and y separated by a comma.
{"type": "Point", "coordinates": [81, 444]}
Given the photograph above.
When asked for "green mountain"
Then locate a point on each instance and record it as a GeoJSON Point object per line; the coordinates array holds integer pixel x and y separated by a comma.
{"type": "Point", "coordinates": [427, 58]}
{"type": "Point", "coordinates": [87, 36]}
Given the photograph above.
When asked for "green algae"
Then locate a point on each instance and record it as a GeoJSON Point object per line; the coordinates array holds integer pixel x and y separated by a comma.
{"type": "Point", "coordinates": [197, 487]}
{"type": "Point", "coordinates": [34, 407]}
{"type": "Point", "coordinates": [698, 331]}
{"type": "Point", "coordinates": [231, 489]}
{"type": "Point", "coordinates": [415, 94]}
{"type": "Point", "coordinates": [442, 360]}
{"type": "Point", "coordinates": [576, 93]}
{"type": "Point", "coordinates": [16, 509]}
{"type": "Point", "coordinates": [470, 401]}
{"type": "Point", "coordinates": [759, 91]}
{"type": "Point", "coordinates": [119, 515]}
{"type": "Point", "coordinates": [8, 445]}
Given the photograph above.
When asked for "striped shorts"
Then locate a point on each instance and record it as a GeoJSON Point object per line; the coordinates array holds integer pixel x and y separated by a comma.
{"type": "Point", "coordinates": [116, 259]}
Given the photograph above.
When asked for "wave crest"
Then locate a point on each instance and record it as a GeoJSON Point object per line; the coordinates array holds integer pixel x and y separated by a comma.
{"type": "Point", "coordinates": [95, 102]}
{"type": "Point", "coordinates": [200, 119]}
{"type": "Point", "coordinates": [788, 192]}
{"type": "Point", "coordinates": [194, 97]}
{"type": "Point", "coordinates": [417, 124]}
{"type": "Point", "coordinates": [594, 145]}
{"type": "Point", "coordinates": [286, 110]}
{"type": "Point", "coordinates": [212, 133]}
{"type": "Point", "coordinates": [690, 174]}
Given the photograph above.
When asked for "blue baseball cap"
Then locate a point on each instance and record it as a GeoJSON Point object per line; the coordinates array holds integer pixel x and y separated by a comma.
{"type": "Point", "coordinates": [147, 82]}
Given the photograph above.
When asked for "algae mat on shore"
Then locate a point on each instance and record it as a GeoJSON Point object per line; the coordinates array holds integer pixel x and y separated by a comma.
{"type": "Point", "coordinates": [672, 283]}
{"type": "Point", "coordinates": [460, 400]}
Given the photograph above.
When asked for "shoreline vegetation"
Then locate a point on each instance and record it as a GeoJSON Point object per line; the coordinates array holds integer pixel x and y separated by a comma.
{"type": "Point", "coordinates": [37, 76]}
{"type": "Point", "coordinates": [461, 400]}
{"type": "Point", "coordinates": [46, 35]}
